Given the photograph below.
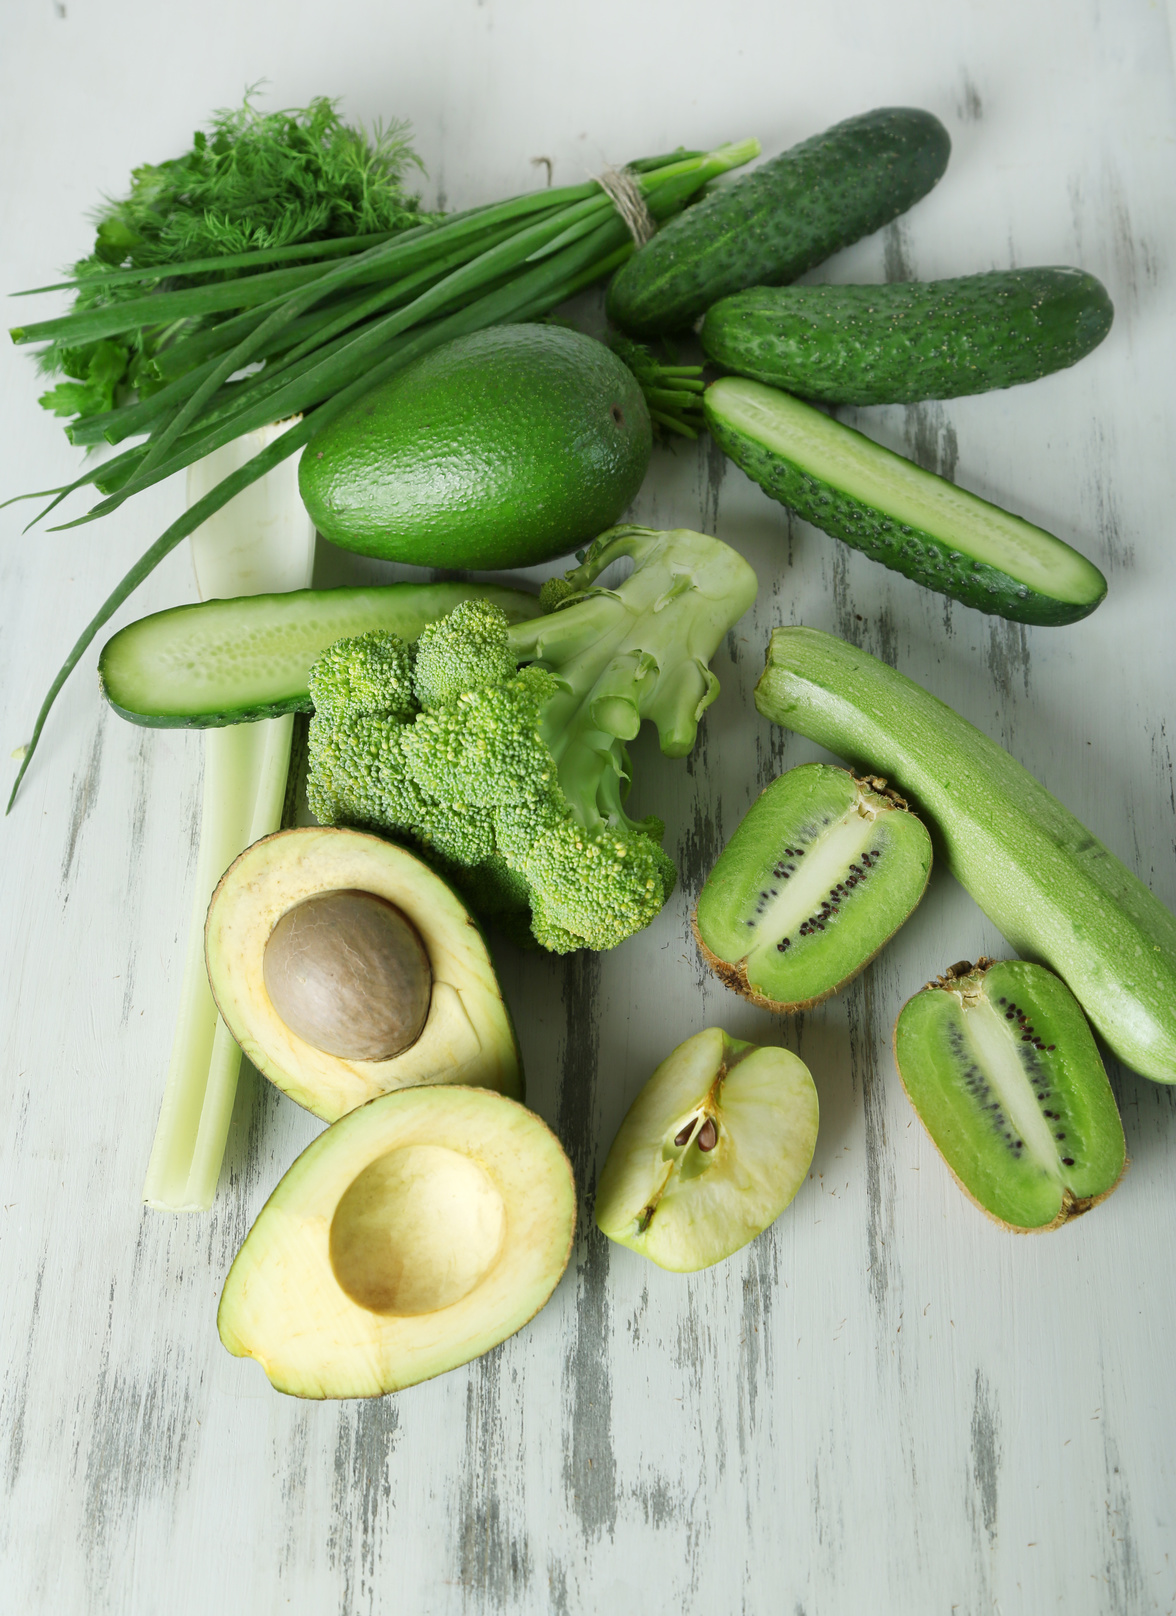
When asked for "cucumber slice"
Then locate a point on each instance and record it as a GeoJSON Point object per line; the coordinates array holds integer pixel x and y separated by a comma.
{"type": "Point", "coordinates": [1053, 891]}
{"type": "Point", "coordinates": [234, 661]}
{"type": "Point", "coordinates": [897, 513]}
{"type": "Point", "coordinates": [910, 340]}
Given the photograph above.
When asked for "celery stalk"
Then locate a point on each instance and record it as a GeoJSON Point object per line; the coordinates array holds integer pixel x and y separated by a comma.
{"type": "Point", "coordinates": [260, 542]}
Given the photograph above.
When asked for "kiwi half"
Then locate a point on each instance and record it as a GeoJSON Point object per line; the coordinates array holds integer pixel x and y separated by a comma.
{"type": "Point", "coordinates": [1000, 1065]}
{"type": "Point", "coordinates": [820, 874]}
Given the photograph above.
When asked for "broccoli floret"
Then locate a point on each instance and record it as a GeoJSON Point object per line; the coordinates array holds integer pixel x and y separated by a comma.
{"type": "Point", "coordinates": [484, 746]}
{"type": "Point", "coordinates": [368, 676]}
{"type": "Point", "coordinates": [357, 773]}
{"type": "Point", "coordinates": [596, 886]}
{"type": "Point", "coordinates": [512, 779]}
{"type": "Point", "coordinates": [467, 650]}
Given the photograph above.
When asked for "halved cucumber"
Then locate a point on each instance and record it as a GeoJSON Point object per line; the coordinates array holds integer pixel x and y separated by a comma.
{"type": "Point", "coordinates": [907, 518]}
{"type": "Point", "coordinates": [234, 661]}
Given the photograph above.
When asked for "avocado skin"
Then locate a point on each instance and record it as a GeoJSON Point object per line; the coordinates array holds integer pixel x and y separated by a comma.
{"type": "Point", "coordinates": [500, 449]}
{"type": "Point", "coordinates": [910, 340]}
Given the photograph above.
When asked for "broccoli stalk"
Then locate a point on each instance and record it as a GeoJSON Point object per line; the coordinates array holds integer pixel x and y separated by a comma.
{"type": "Point", "coordinates": [512, 779]}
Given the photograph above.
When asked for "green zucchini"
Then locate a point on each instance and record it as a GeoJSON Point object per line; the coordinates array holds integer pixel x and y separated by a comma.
{"type": "Point", "coordinates": [1059, 896]}
{"type": "Point", "coordinates": [781, 219]}
{"type": "Point", "coordinates": [910, 340]}
{"type": "Point", "coordinates": [234, 661]}
{"type": "Point", "coordinates": [909, 519]}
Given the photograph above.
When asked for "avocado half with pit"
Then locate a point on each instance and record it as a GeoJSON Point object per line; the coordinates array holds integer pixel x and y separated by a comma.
{"type": "Point", "coordinates": [345, 968]}
{"type": "Point", "coordinates": [413, 1235]}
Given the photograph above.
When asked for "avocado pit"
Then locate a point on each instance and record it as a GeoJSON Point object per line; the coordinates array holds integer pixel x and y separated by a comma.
{"type": "Point", "coordinates": [347, 972]}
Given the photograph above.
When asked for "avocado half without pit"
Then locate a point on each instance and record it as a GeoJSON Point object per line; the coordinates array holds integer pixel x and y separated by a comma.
{"type": "Point", "coordinates": [346, 968]}
{"type": "Point", "coordinates": [413, 1235]}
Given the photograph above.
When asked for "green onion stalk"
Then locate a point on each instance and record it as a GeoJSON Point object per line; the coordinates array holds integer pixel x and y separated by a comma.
{"type": "Point", "coordinates": [294, 334]}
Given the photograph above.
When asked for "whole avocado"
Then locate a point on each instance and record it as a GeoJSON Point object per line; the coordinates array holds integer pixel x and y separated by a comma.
{"type": "Point", "coordinates": [501, 449]}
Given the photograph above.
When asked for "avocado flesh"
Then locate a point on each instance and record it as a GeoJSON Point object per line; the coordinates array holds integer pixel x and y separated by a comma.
{"type": "Point", "coordinates": [413, 1235]}
{"type": "Point", "coordinates": [467, 1038]}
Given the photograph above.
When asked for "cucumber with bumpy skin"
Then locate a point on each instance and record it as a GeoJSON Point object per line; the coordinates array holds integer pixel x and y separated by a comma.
{"type": "Point", "coordinates": [234, 661]}
{"type": "Point", "coordinates": [1055, 892]}
{"type": "Point", "coordinates": [897, 513]}
{"type": "Point", "coordinates": [910, 340]}
{"type": "Point", "coordinates": [781, 219]}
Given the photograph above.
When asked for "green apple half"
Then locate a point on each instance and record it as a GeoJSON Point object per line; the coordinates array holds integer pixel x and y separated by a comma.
{"type": "Point", "coordinates": [713, 1149]}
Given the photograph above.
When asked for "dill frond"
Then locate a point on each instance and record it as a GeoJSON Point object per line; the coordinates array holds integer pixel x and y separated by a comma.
{"type": "Point", "coordinates": [253, 180]}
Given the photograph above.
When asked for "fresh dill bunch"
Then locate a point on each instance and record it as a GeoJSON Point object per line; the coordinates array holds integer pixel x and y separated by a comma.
{"type": "Point", "coordinates": [254, 180]}
{"type": "Point", "coordinates": [261, 179]}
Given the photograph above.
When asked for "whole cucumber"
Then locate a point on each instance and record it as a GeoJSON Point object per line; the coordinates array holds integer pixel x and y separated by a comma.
{"type": "Point", "coordinates": [911, 340]}
{"type": "Point", "coordinates": [908, 519]}
{"type": "Point", "coordinates": [1054, 892]}
{"type": "Point", "coordinates": [782, 218]}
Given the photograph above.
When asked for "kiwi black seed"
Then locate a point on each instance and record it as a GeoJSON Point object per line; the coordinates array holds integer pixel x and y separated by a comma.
{"type": "Point", "coordinates": [819, 875]}
{"type": "Point", "coordinates": [1004, 1073]}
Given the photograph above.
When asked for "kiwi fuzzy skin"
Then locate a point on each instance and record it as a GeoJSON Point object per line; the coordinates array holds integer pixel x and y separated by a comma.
{"type": "Point", "coordinates": [1073, 1206]}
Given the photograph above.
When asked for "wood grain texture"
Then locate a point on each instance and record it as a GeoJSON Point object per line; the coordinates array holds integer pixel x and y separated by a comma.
{"type": "Point", "coordinates": [884, 1403]}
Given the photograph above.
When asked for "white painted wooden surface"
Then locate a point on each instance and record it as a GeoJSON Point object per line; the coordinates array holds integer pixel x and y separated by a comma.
{"type": "Point", "coordinates": [885, 1403]}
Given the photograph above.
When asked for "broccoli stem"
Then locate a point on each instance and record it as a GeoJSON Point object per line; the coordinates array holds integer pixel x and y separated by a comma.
{"type": "Point", "coordinates": [262, 541]}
